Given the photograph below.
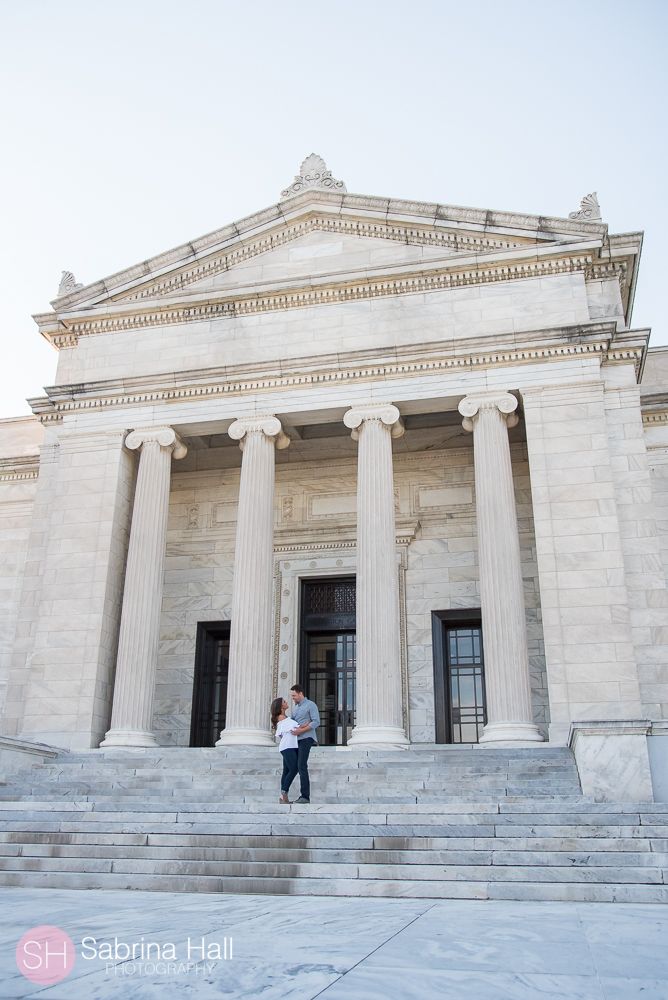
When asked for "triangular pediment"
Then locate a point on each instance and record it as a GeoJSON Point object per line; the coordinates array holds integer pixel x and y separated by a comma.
{"type": "Point", "coordinates": [348, 232]}
{"type": "Point", "coordinates": [318, 248]}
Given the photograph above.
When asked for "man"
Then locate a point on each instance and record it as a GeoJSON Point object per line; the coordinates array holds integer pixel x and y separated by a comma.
{"type": "Point", "coordinates": [305, 714]}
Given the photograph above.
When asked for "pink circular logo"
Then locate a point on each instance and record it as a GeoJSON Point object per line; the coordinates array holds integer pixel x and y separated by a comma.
{"type": "Point", "coordinates": [45, 955]}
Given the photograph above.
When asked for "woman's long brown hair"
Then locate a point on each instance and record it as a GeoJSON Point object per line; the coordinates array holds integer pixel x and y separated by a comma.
{"type": "Point", "coordinates": [276, 710]}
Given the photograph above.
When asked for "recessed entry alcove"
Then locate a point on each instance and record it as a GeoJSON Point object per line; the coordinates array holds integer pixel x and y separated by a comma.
{"type": "Point", "coordinates": [315, 539]}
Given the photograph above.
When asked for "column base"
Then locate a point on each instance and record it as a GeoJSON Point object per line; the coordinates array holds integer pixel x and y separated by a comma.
{"type": "Point", "coordinates": [246, 737]}
{"type": "Point", "coordinates": [378, 735]}
{"type": "Point", "coordinates": [511, 732]}
{"type": "Point", "coordinates": [129, 738]}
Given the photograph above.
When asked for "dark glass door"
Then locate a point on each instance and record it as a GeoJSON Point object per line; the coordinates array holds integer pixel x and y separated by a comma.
{"type": "Point", "coordinates": [459, 676]}
{"type": "Point", "coordinates": [331, 685]}
{"type": "Point", "coordinates": [210, 683]}
{"type": "Point", "coordinates": [328, 654]}
{"type": "Point", "coordinates": [466, 684]}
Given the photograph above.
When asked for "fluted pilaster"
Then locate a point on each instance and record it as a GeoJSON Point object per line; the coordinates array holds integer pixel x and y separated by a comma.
{"type": "Point", "coordinates": [379, 688]}
{"type": "Point", "coordinates": [507, 679]}
{"type": "Point", "coordinates": [134, 684]}
{"type": "Point", "coordinates": [250, 664]}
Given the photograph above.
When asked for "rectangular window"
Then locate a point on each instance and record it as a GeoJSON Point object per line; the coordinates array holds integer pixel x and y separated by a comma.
{"type": "Point", "coordinates": [466, 684]}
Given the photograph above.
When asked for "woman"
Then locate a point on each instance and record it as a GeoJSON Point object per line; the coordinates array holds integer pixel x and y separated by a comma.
{"type": "Point", "coordinates": [284, 727]}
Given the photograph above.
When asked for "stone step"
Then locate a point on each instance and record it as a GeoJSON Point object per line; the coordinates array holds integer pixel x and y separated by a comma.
{"type": "Point", "coordinates": [501, 814]}
{"type": "Point", "coordinates": [323, 870]}
{"type": "Point", "coordinates": [434, 823]}
{"type": "Point", "coordinates": [559, 891]}
{"type": "Point", "coordinates": [272, 785]}
{"type": "Point", "coordinates": [259, 826]}
{"type": "Point", "coordinates": [197, 801]}
{"type": "Point", "coordinates": [402, 844]}
{"type": "Point", "coordinates": [478, 857]}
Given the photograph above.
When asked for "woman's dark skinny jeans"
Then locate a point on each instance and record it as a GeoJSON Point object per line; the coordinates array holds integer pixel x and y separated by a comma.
{"type": "Point", "coordinates": [290, 766]}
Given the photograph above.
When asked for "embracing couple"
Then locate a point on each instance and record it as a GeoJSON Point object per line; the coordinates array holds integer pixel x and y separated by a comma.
{"type": "Point", "coordinates": [297, 735]}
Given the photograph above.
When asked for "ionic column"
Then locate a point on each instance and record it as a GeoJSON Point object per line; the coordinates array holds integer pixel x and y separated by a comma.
{"type": "Point", "coordinates": [250, 665]}
{"type": "Point", "coordinates": [507, 681]}
{"type": "Point", "coordinates": [134, 685]}
{"type": "Point", "coordinates": [379, 688]}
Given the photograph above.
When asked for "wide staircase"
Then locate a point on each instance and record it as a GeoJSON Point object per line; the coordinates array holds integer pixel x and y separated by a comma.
{"type": "Point", "coordinates": [441, 822]}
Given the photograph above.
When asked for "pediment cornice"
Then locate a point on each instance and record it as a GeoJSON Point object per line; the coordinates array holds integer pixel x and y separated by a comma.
{"type": "Point", "coordinates": [599, 339]}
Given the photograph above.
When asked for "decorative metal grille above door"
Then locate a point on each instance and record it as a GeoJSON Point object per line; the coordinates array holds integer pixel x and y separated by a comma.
{"type": "Point", "coordinates": [328, 604]}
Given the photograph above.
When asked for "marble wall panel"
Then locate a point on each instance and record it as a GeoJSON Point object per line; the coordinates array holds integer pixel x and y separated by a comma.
{"type": "Point", "coordinates": [31, 585]}
{"type": "Point", "coordinates": [605, 301]}
{"type": "Point", "coordinates": [580, 557]}
{"type": "Point", "coordinates": [69, 685]}
{"type": "Point", "coordinates": [641, 544]}
{"type": "Point", "coordinates": [16, 509]}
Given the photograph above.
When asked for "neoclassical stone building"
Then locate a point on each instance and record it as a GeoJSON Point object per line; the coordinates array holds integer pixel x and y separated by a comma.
{"type": "Point", "coordinates": [403, 453]}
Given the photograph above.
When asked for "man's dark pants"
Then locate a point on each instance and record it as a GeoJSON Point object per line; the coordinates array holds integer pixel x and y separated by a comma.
{"type": "Point", "coordinates": [303, 750]}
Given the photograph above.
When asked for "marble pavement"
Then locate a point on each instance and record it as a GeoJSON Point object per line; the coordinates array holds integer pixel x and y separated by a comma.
{"type": "Point", "coordinates": [305, 947]}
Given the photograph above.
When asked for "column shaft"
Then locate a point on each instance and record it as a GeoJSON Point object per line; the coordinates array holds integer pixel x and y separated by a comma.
{"type": "Point", "coordinates": [379, 687]}
{"type": "Point", "coordinates": [250, 664]}
{"type": "Point", "coordinates": [507, 678]}
{"type": "Point", "coordinates": [136, 663]}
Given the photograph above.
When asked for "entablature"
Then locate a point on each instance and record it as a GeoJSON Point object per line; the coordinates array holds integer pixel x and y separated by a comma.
{"type": "Point", "coordinates": [599, 340]}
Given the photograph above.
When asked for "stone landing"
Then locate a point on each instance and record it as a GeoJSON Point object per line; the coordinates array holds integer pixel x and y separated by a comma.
{"type": "Point", "coordinates": [434, 822]}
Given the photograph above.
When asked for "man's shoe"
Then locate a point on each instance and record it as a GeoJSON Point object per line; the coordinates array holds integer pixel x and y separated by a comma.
{"type": "Point", "coordinates": [283, 799]}
{"type": "Point", "coordinates": [301, 801]}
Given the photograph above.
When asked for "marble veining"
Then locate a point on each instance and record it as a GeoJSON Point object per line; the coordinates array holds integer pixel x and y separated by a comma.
{"type": "Point", "coordinates": [307, 947]}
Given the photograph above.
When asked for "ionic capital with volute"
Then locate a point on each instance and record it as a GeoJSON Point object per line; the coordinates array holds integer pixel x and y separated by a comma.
{"type": "Point", "coordinates": [166, 437]}
{"type": "Point", "coordinates": [266, 424]}
{"type": "Point", "coordinates": [504, 402]}
{"type": "Point", "coordinates": [386, 413]}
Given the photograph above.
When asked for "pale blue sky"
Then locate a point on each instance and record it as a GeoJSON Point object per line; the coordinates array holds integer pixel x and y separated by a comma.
{"type": "Point", "coordinates": [130, 127]}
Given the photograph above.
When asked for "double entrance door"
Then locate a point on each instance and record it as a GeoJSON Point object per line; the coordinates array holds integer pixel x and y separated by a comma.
{"type": "Point", "coordinates": [328, 655]}
{"type": "Point", "coordinates": [326, 669]}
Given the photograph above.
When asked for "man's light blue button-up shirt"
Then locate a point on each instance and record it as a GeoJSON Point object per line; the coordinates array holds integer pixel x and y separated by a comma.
{"type": "Point", "coordinates": [306, 711]}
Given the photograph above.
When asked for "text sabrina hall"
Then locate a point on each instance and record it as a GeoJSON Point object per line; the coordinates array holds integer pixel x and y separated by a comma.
{"type": "Point", "coordinates": [198, 950]}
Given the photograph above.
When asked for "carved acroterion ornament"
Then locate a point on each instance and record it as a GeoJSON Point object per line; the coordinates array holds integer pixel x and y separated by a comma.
{"type": "Point", "coordinates": [68, 283]}
{"type": "Point", "coordinates": [313, 173]}
{"type": "Point", "coordinates": [589, 211]}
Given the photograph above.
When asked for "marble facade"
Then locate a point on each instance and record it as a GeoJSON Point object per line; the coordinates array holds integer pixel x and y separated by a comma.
{"type": "Point", "coordinates": [285, 332]}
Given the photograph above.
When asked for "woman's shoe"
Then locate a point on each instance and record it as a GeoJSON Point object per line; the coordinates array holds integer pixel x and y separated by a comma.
{"type": "Point", "coordinates": [283, 799]}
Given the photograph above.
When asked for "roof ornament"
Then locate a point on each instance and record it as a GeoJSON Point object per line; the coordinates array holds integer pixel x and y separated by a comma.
{"type": "Point", "coordinates": [590, 210]}
{"type": "Point", "coordinates": [313, 173]}
{"type": "Point", "coordinates": [68, 283]}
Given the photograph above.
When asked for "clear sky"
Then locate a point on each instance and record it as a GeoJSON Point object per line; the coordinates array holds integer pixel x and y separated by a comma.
{"type": "Point", "coordinates": [130, 127]}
